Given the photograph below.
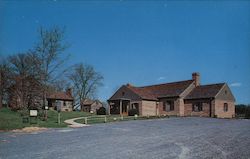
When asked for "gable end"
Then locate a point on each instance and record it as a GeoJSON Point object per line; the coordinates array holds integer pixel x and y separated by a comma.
{"type": "Point", "coordinates": [125, 93]}
{"type": "Point", "coordinates": [225, 94]}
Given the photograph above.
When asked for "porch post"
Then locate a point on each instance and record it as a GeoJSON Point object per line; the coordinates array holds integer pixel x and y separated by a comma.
{"type": "Point", "coordinates": [120, 107]}
{"type": "Point", "coordinates": [108, 108]}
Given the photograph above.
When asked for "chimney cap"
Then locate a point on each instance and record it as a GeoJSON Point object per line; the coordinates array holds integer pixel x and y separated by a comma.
{"type": "Point", "coordinates": [196, 78]}
{"type": "Point", "coordinates": [195, 73]}
{"type": "Point", "coordinates": [129, 85]}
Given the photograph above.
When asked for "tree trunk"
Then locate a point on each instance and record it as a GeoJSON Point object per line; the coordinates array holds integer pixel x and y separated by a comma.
{"type": "Point", "coordinates": [1, 101]}
{"type": "Point", "coordinates": [1, 92]}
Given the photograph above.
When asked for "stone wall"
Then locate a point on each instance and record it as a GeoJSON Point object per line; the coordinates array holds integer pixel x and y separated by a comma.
{"type": "Point", "coordinates": [219, 109]}
{"type": "Point", "coordinates": [188, 108]}
{"type": "Point", "coordinates": [148, 108]}
{"type": "Point", "coordinates": [175, 112]}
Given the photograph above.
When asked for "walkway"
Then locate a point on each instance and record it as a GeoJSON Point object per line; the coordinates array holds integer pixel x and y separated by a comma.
{"type": "Point", "coordinates": [74, 124]}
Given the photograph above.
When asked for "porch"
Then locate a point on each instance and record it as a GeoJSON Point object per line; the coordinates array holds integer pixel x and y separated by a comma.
{"type": "Point", "coordinates": [122, 106]}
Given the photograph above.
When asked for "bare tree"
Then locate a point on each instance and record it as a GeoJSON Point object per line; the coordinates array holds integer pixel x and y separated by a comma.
{"type": "Point", "coordinates": [48, 50]}
{"type": "Point", "coordinates": [4, 80]}
{"type": "Point", "coordinates": [85, 81]}
{"type": "Point", "coordinates": [60, 85]}
{"type": "Point", "coordinates": [37, 71]}
{"type": "Point", "coordinates": [25, 89]}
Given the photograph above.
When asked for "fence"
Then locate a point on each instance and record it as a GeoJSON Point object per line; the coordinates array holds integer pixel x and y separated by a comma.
{"type": "Point", "coordinates": [114, 118]}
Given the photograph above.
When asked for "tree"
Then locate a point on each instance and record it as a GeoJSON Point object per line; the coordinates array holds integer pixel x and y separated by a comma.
{"type": "Point", "coordinates": [4, 80]}
{"type": "Point", "coordinates": [48, 50]}
{"type": "Point", "coordinates": [85, 81]}
{"type": "Point", "coordinates": [35, 72]}
{"type": "Point", "coordinates": [25, 89]}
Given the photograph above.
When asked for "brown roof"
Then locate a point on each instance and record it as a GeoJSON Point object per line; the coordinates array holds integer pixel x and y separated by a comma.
{"type": "Point", "coordinates": [89, 101]}
{"type": "Point", "coordinates": [205, 91]}
{"type": "Point", "coordinates": [60, 96]}
{"type": "Point", "coordinates": [154, 92]}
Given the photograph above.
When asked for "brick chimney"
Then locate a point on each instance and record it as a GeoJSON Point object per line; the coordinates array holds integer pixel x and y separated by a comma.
{"type": "Point", "coordinates": [69, 91]}
{"type": "Point", "coordinates": [196, 78]}
{"type": "Point", "coordinates": [129, 85]}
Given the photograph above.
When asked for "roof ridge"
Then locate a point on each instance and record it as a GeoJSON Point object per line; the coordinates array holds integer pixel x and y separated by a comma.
{"type": "Point", "coordinates": [205, 91]}
{"type": "Point", "coordinates": [212, 84]}
{"type": "Point", "coordinates": [130, 88]}
{"type": "Point", "coordinates": [165, 83]}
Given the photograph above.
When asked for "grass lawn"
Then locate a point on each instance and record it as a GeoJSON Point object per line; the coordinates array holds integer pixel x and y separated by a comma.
{"type": "Point", "coordinates": [10, 120]}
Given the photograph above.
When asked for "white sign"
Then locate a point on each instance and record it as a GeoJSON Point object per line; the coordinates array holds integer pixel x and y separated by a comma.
{"type": "Point", "coordinates": [33, 112]}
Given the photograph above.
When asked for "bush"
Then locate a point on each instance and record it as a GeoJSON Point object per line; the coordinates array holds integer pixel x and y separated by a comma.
{"type": "Point", "coordinates": [24, 112]}
{"type": "Point", "coordinates": [242, 110]}
{"type": "Point", "coordinates": [101, 111]}
{"type": "Point", "coordinates": [132, 112]}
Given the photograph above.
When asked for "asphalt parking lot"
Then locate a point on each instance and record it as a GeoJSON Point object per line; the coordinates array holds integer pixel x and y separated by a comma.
{"type": "Point", "coordinates": [161, 138]}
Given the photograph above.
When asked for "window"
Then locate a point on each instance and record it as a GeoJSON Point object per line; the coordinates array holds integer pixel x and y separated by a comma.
{"type": "Point", "coordinates": [168, 106]}
{"type": "Point", "coordinates": [171, 105]}
{"type": "Point", "coordinates": [64, 103]}
{"type": "Point", "coordinates": [134, 106]}
{"type": "Point", "coordinates": [123, 93]}
{"type": "Point", "coordinates": [197, 107]}
{"type": "Point", "coordinates": [164, 106]}
{"type": "Point", "coordinates": [225, 107]}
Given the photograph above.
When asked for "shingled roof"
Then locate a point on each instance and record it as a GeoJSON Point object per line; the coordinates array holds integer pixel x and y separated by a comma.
{"type": "Point", "coordinates": [60, 96]}
{"type": "Point", "coordinates": [89, 101]}
{"type": "Point", "coordinates": [154, 92]}
{"type": "Point", "coordinates": [205, 91]}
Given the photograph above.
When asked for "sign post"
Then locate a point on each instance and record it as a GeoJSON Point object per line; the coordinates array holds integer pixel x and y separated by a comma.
{"type": "Point", "coordinates": [33, 113]}
{"type": "Point", "coordinates": [46, 112]}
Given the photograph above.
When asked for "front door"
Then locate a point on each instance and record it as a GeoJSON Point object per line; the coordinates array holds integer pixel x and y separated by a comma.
{"type": "Point", "coordinates": [125, 104]}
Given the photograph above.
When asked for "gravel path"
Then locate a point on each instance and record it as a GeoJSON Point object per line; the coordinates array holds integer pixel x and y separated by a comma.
{"type": "Point", "coordinates": [183, 138]}
{"type": "Point", "coordinates": [73, 124]}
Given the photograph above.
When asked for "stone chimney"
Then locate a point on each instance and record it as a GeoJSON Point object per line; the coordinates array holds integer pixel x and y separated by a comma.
{"type": "Point", "coordinates": [69, 91]}
{"type": "Point", "coordinates": [196, 78]}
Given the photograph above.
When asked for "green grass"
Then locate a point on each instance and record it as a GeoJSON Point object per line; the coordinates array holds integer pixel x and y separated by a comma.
{"type": "Point", "coordinates": [10, 120]}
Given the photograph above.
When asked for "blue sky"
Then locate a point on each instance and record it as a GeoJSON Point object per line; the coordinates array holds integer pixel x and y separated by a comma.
{"type": "Point", "coordinates": [142, 42]}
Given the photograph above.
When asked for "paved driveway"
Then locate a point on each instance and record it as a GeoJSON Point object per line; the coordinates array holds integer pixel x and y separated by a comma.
{"type": "Point", "coordinates": [165, 138]}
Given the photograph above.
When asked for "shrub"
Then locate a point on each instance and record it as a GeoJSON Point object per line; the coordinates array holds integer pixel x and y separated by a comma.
{"type": "Point", "coordinates": [242, 110]}
{"type": "Point", "coordinates": [132, 112]}
{"type": "Point", "coordinates": [24, 112]}
{"type": "Point", "coordinates": [101, 111]}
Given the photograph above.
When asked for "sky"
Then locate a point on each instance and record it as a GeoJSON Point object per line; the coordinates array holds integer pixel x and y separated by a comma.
{"type": "Point", "coordinates": [141, 42]}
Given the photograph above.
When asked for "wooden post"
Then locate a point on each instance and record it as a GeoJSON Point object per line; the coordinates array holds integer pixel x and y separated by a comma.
{"type": "Point", "coordinates": [120, 107]}
{"type": "Point", "coordinates": [85, 120]}
{"type": "Point", "coordinates": [59, 121]}
{"type": "Point", "coordinates": [108, 108]}
{"type": "Point", "coordinates": [46, 115]}
{"type": "Point", "coordinates": [105, 119]}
